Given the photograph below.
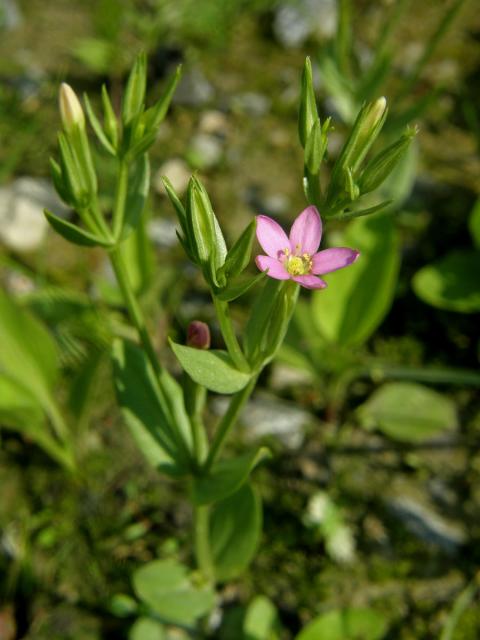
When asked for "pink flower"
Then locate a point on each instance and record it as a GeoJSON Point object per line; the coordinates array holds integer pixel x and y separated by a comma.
{"type": "Point", "coordinates": [296, 257]}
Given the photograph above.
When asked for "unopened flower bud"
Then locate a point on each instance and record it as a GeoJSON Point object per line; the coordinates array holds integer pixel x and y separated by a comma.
{"type": "Point", "coordinates": [198, 335]}
{"type": "Point", "coordinates": [375, 114]}
{"type": "Point", "coordinates": [71, 110]}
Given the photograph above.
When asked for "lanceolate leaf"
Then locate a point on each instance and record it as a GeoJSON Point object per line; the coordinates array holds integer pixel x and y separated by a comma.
{"type": "Point", "coordinates": [235, 529]}
{"type": "Point", "coordinates": [138, 187]}
{"type": "Point", "coordinates": [75, 234]}
{"type": "Point", "coordinates": [153, 410]}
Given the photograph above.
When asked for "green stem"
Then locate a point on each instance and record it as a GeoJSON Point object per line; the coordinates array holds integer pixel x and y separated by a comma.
{"type": "Point", "coordinates": [195, 396]}
{"type": "Point", "coordinates": [120, 198]}
{"type": "Point", "coordinates": [228, 420]}
{"type": "Point", "coordinates": [228, 332]}
{"type": "Point", "coordinates": [202, 540]}
{"type": "Point", "coordinates": [133, 307]}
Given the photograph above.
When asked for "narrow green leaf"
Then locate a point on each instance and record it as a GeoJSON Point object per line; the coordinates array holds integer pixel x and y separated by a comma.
{"type": "Point", "coordinates": [226, 477]}
{"type": "Point", "coordinates": [451, 283]}
{"type": "Point", "coordinates": [239, 255]}
{"type": "Point", "coordinates": [60, 183]}
{"type": "Point", "coordinates": [75, 234]}
{"type": "Point", "coordinates": [152, 413]}
{"type": "Point", "coordinates": [408, 412]}
{"type": "Point", "coordinates": [235, 529]}
{"type": "Point", "coordinates": [382, 165]}
{"type": "Point", "coordinates": [97, 127]}
{"type": "Point", "coordinates": [239, 287]}
{"type": "Point", "coordinates": [155, 115]}
{"type": "Point", "coordinates": [166, 587]}
{"type": "Point", "coordinates": [134, 97]}
{"type": "Point", "coordinates": [138, 188]}
{"type": "Point", "coordinates": [308, 114]}
{"type": "Point", "coordinates": [109, 119]}
{"type": "Point", "coordinates": [315, 148]}
{"type": "Point", "coordinates": [212, 369]}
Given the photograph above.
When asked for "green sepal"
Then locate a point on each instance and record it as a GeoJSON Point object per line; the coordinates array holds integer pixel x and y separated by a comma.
{"type": "Point", "coordinates": [133, 99]}
{"type": "Point", "coordinates": [268, 322]}
{"type": "Point", "coordinates": [203, 232]}
{"type": "Point", "coordinates": [60, 183]}
{"type": "Point", "coordinates": [237, 288]}
{"type": "Point", "coordinates": [308, 114]}
{"type": "Point", "coordinates": [75, 234]}
{"type": "Point", "coordinates": [316, 146]}
{"type": "Point", "coordinates": [138, 188]}
{"type": "Point", "coordinates": [365, 130]}
{"type": "Point", "coordinates": [381, 166]}
{"type": "Point", "coordinates": [226, 477]}
{"type": "Point", "coordinates": [239, 255]}
{"type": "Point", "coordinates": [109, 119]}
{"type": "Point", "coordinates": [212, 368]}
{"type": "Point", "coordinates": [155, 115]}
{"type": "Point", "coordinates": [97, 127]}
{"type": "Point", "coordinates": [72, 174]}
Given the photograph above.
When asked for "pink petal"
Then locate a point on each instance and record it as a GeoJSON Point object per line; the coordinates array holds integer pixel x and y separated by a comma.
{"type": "Point", "coordinates": [271, 236]}
{"type": "Point", "coordinates": [306, 232]}
{"type": "Point", "coordinates": [275, 268]}
{"type": "Point", "coordinates": [333, 259]}
{"type": "Point", "coordinates": [310, 282]}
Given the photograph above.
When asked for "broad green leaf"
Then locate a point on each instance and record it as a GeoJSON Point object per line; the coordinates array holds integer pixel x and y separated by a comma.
{"type": "Point", "coordinates": [138, 187]}
{"type": "Point", "coordinates": [147, 629]}
{"type": "Point", "coordinates": [451, 283]}
{"type": "Point", "coordinates": [359, 296]}
{"type": "Point", "coordinates": [408, 412]}
{"type": "Point", "coordinates": [212, 369]}
{"type": "Point", "coordinates": [346, 624]}
{"type": "Point", "coordinates": [235, 529]}
{"type": "Point", "coordinates": [261, 620]}
{"type": "Point", "coordinates": [75, 234]}
{"type": "Point", "coordinates": [474, 224]}
{"type": "Point", "coordinates": [165, 586]}
{"type": "Point", "coordinates": [226, 477]}
{"type": "Point", "coordinates": [153, 410]}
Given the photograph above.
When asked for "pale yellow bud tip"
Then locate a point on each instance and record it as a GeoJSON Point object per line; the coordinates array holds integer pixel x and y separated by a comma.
{"type": "Point", "coordinates": [71, 110]}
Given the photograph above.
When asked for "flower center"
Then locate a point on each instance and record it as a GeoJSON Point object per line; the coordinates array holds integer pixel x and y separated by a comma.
{"type": "Point", "coordinates": [297, 265]}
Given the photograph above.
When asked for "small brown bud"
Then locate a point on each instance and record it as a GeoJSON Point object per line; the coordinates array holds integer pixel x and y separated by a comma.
{"type": "Point", "coordinates": [198, 335]}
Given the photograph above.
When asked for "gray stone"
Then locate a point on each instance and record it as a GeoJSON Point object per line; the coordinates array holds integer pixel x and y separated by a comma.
{"type": "Point", "coordinates": [193, 90]}
{"type": "Point", "coordinates": [177, 171]}
{"type": "Point", "coordinates": [251, 103]}
{"type": "Point", "coordinates": [205, 151]}
{"type": "Point", "coordinates": [417, 513]}
{"type": "Point", "coordinates": [295, 23]}
{"type": "Point", "coordinates": [23, 226]}
{"type": "Point", "coordinates": [163, 232]}
{"type": "Point", "coordinates": [10, 16]}
{"type": "Point", "coordinates": [265, 415]}
{"type": "Point", "coordinates": [213, 122]}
